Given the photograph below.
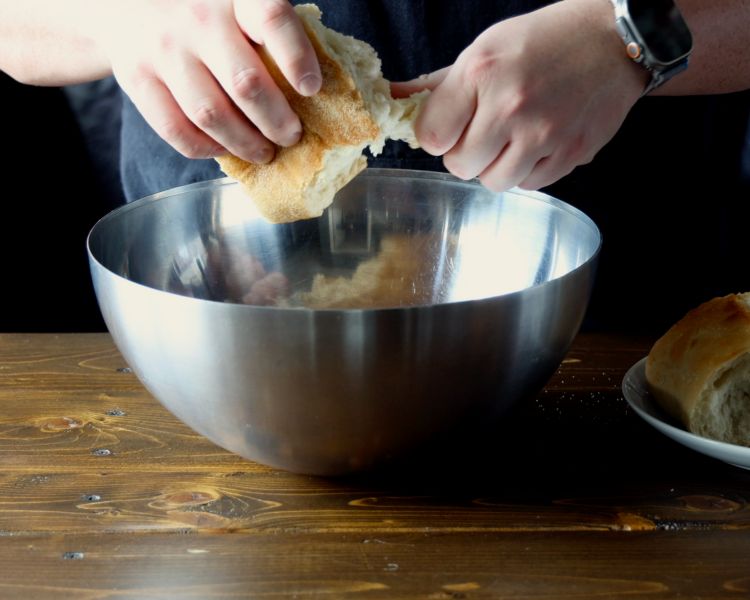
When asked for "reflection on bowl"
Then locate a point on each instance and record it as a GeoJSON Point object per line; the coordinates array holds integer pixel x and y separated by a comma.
{"type": "Point", "coordinates": [416, 302]}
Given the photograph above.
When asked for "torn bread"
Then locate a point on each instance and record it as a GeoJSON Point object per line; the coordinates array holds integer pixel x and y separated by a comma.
{"type": "Point", "coordinates": [397, 276]}
{"type": "Point", "coordinates": [354, 110]}
{"type": "Point", "coordinates": [699, 371]}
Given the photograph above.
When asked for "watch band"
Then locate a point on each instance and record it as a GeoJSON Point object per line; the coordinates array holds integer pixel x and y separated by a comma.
{"type": "Point", "coordinates": [659, 78]}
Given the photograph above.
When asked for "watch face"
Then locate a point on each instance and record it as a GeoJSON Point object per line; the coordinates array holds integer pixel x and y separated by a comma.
{"type": "Point", "coordinates": [662, 28]}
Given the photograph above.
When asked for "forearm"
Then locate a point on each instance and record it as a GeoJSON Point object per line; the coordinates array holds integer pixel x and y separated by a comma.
{"type": "Point", "coordinates": [720, 61]}
{"type": "Point", "coordinates": [52, 42]}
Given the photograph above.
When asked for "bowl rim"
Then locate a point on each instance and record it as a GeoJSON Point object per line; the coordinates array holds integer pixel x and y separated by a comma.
{"type": "Point", "coordinates": [368, 172]}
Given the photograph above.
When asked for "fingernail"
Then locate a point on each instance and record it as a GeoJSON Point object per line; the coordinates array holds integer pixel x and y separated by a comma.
{"type": "Point", "coordinates": [263, 156]}
{"type": "Point", "coordinates": [292, 138]}
{"type": "Point", "coordinates": [310, 84]}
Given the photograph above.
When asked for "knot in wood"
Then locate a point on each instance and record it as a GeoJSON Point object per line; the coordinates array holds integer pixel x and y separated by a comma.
{"type": "Point", "coordinates": [56, 424]}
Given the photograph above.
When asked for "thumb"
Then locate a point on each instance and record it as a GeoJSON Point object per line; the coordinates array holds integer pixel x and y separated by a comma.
{"type": "Point", "coordinates": [404, 89]}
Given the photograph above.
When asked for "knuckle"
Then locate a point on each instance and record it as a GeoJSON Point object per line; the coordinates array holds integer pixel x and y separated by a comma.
{"type": "Point", "coordinates": [480, 68]}
{"type": "Point", "coordinates": [580, 151]}
{"type": "Point", "coordinates": [516, 104]}
{"type": "Point", "coordinates": [578, 145]}
{"type": "Point", "coordinates": [175, 134]}
{"type": "Point", "coordinates": [172, 132]}
{"type": "Point", "coordinates": [207, 116]}
{"type": "Point", "coordinates": [275, 14]}
{"type": "Point", "coordinates": [141, 75]}
{"type": "Point", "coordinates": [200, 11]}
{"type": "Point", "coordinates": [248, 84]}
{"type": "Point", "coordinates": [166, 42]}
{"type": "Point", "coordinates": [547, 131]}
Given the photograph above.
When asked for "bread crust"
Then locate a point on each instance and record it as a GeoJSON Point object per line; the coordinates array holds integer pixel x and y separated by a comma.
{"type": "Point", "coordinates": [686, 363]}
{"type": "Point", "coordinates": [335, 117]}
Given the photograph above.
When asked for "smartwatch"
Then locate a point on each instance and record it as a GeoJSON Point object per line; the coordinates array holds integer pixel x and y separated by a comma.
{"type": "Point", "coordinates": [656, 36]}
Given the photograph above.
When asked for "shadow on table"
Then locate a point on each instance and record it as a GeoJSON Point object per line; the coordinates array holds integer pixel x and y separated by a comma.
{"type": "Point", "coordinates": [553, 446]}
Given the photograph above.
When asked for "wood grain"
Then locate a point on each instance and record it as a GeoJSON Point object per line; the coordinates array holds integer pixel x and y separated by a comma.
{"type": "Point", "coordinates": [104, 494]}
{"type": "Point", "coordinates": [563, 566]}
{"type": "Point", "coordinates": [70, 402]}
{"type": "Point", "coordinates": [251, 502]}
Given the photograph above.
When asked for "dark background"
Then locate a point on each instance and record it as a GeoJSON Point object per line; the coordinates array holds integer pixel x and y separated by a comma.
{"type": "Point", "coordinates": [50, 200]}
{"type": "Point", "coordinates": [669, 194]}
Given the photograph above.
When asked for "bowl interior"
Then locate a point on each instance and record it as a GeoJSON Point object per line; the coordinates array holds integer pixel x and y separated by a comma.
{"type": "Point", "coordinates": [392, 238]}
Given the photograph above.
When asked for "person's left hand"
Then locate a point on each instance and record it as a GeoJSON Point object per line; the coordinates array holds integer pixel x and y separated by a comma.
{"type": "Point", "coordinates": [531, 98]}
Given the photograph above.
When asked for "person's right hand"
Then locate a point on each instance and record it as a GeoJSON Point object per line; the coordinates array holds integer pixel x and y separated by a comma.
{"type": "Point", "coordinates": [191, 68]}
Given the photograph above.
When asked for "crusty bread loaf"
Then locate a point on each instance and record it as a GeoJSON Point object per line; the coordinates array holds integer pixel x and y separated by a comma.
{"type": "Point", "coordinates": [353, 110]}
{"type": "Point", "coordinates": [699, 371]}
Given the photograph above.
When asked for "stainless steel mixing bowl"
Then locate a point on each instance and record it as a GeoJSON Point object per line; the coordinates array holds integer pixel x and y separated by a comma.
{"type": "Point", "coordinates": [479, 297]}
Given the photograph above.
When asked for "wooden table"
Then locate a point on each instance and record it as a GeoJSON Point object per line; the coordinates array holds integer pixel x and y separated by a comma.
{"type": "Point", "coordinates": [103, 494]}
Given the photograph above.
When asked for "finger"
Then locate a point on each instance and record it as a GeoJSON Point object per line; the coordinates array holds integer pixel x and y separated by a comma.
{"type": "Point", "coordinates": [208, 107]}
{"type": "Point", "coordinates": [445, 114]}
{"type": "Point", "coordinates": [274, 24]}
{"type": "Point", "coordinates": [163, 114]}
{"type": "Point", "coordinates": [483, 141]}
{"type": "Point", "coordinates": [404, 89]}
{"type": "Point", "coordinates": [267, 291]}
{"type": "Point", "coordinates": [547, 171]}
{"type": "Point", "coordinates": [510, 168]}
{"type": "Point", "coordinates": [544, 173]}
{"type": "Point", "coordinates": [242, 74]}
{"type": "Point", "coordinates": [577, 150]}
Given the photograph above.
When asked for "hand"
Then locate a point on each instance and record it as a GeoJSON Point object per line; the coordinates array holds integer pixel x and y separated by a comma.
{"type": "Point", "coordinates": [192, 70]}
{"type": "Point", "coordinates": [531, 98]}
{"type": "Point", "coordinates": [244, 278]}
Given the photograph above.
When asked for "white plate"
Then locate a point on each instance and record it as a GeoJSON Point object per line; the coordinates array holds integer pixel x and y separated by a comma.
{"type": "Point", "coordinates": [635, 389]}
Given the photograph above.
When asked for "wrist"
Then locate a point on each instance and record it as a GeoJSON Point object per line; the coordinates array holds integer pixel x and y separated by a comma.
{"type": "Point", "coordinates": [631, 75]}
{"type": "Point", "coordinates": [655, 37]}
{"type": "Point", "coordinates": [49, 43]}
{"type": "Point", "coordinates": [103, 26]}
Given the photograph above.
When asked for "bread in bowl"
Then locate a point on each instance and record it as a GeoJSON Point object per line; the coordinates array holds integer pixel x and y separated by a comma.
{"type": "Point", "coordinates": [399, 275]}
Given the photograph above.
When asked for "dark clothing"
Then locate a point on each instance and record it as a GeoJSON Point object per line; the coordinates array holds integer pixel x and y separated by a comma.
{"type": "Point", "coordinates": [666, 192]}
{"type": "Point", "coordinates": [97, 107]}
